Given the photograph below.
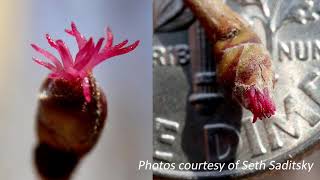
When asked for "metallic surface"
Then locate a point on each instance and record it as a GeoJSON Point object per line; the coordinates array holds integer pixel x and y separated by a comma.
{"type": "Point", "coordinates": [193, 122]}
{"type": "Point", "coordinates": [171, 15]}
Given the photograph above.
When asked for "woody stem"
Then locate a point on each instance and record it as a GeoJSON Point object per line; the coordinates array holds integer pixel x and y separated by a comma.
{"type": "Point", "coordinates": [219, 20]}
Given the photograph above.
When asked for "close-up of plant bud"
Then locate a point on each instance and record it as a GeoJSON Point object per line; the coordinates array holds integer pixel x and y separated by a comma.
{"type": "Point", "coordinates": [244, 66]}
{"type": "Point", "coordinates": [65, 121]}
{"type": "Point", "coordinates": [72, 108]}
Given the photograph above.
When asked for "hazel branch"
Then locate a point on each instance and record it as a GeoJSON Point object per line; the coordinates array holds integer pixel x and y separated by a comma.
{"type": "Point", "coordinates": [219, 20]}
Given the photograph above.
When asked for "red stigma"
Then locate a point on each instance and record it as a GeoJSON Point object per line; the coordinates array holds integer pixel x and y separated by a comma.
{"type": "Point", "coordinates": [88, 56]}
{"type": "Point", "coordinates": [259, 103]}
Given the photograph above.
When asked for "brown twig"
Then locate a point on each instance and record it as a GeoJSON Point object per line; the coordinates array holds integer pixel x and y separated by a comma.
{"type": "Point", "coordinates": [219, 20]}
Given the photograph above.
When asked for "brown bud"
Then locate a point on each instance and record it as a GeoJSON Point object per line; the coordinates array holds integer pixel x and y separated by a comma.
{"type": "Point", "coordinates": [244, 66]}
{"type": "Point", "coordinates": [65, 120]}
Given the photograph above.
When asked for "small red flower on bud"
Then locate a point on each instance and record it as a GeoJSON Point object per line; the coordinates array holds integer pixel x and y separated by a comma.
{"type": "Point", "coordinates": [259, 103]}
{"type": "Point", "coordinates": [244, 64]}
{"type": "Point", "coordinates": [89, 56]}
{"type": "Point", "coordinates": [72, 108]}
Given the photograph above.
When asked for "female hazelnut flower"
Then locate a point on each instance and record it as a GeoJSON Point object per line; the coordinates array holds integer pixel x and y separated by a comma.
{"type": "Point", "coordinates": [72, 108]}
{"type": "Point", "coordinates": [89, 56]}
{"type": "Point", "coordinates": [244, 66]}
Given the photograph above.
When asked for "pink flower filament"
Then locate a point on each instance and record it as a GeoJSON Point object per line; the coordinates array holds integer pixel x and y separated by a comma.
{"type": "Point", "coordinates": [259, 103]}
{"type": "Point", "coordinates": [88, 56]}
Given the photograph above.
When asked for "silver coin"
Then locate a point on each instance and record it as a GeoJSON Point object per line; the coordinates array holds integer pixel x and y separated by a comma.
{"type": "Point", "coordinates": [193, 122]}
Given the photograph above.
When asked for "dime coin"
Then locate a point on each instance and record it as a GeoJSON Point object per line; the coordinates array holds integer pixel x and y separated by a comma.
{"type": "Point", "coordinates": [193, 122]}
